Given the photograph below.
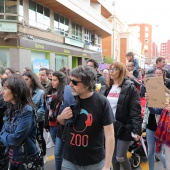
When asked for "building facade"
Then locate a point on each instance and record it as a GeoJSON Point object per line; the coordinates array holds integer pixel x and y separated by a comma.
{"type": "Point", "coordinates": [130, 43]}
{"type": "Point", "coordinates": [111, 44]}
{"type": "Point", "coordinates": [53, 33]}
{"type": "Point", "coordinates": [165, 50]}
{"type": "Point", "coordinates": [145, 36]}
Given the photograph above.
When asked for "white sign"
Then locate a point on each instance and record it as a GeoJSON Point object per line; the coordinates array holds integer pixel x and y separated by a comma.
{"type": "Point", "coordinates": [74, 42]}
{"type": "Point", "coordinates": [97, 56]}
{"type": "Point", "coordinates": [8, 27]}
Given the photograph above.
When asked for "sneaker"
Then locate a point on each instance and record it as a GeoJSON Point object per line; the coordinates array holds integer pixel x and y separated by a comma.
{"type": "Point", "coordinates": [50, 145]}
{"type": "Point", "coordinates": [45, 158]}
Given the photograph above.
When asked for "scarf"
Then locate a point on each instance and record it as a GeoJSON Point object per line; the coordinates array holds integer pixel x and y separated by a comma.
{"type": "Point", "coordinates": [162, 133]}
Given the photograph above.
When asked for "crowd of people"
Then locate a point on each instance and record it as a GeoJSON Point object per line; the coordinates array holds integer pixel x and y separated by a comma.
{"type": "Point", "coordinates": [90, 129]}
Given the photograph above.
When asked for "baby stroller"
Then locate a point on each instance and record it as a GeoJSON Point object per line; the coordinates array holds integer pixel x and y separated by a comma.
{"type": "Point", "coordinates": [137, 151]}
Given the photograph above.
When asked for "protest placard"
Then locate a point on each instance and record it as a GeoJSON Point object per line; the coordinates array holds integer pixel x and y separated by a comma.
{"type": "Point", "coordinates": [155, 89]}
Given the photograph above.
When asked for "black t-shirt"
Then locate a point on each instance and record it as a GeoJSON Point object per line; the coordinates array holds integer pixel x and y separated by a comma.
{"type": "Point", "coordinates": [152, 122]}
{"type": "Point", "coordinates": [84, 143]}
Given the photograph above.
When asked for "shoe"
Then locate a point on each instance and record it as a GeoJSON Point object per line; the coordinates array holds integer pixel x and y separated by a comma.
{"type": "Point", "coordinates": [50, 145]}
{"type": "Point", "coordinates": [45, 158]}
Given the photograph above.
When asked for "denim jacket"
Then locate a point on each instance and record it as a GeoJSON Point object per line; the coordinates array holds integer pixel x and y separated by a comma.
{"type": "Point", "coordinates": [22, 129]}
{"type": "Point", "coordinates": [38, 99]}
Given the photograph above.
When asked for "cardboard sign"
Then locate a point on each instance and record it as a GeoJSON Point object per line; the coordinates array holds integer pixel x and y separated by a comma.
{"type": "Point", "coordinates": [155, 89]}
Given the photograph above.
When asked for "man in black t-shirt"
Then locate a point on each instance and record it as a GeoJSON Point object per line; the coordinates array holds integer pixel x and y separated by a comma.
{"type": "Point", "coordinates": [88, 126]}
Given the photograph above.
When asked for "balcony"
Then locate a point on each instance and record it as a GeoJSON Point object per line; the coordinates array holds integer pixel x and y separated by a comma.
{"type": "Point", "coordinates": [76, 10]}
{"type": "Point", "coordinates": [106, 9]}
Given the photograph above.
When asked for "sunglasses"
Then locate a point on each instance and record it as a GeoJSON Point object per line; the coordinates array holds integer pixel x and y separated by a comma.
{"type": "Point", "coordinates": [74, 82]}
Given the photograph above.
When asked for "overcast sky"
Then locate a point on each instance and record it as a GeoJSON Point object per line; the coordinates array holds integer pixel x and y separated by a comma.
{"type": "Point", "coordinates": [154, 12]}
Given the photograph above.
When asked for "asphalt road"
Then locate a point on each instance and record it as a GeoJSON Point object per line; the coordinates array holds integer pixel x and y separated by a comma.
{"type": "Point", "coordinates": [50, 165]}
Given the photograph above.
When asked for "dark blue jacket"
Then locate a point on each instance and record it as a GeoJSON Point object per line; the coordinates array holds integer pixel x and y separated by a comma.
{"type": "Point", "coordinates": [22, 129]}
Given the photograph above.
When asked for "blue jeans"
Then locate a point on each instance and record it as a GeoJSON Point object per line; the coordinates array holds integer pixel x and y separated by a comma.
{"type": "Point", "coordinates": [151, 141]}
{"type": "Point", "coordinates": [58, 148]}
{"type": "Point", "coordinates": [53, 132]}
{"type": "Point", "coordinates": [67, 165]}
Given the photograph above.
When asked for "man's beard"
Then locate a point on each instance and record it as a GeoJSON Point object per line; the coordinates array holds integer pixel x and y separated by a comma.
{"type": "Point", "coordinates": [74, 93]}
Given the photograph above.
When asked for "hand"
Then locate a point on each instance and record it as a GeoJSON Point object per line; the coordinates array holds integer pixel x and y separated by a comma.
{"type": "Point", "coordinates": [130, 74]}
{"type": "Point", "coordinates": [167, 107]}
{"type": "Point", "coordinates": [137, 137]}
{"type": "Point", "coordinates": [106, 168]}
{"type": "Point", "coordinates": [143, 129]}
{"type": "Point", "coordinates": [146, 97]}
{"type": "Point", "coordinates": [66, 113]}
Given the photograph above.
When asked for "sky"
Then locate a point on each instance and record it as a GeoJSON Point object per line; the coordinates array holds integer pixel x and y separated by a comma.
{"type": "Point", "coordinates": [154, 12]}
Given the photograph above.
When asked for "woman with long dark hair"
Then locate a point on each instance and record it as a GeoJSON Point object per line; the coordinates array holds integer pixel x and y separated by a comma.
{"type": "Point", "coordinates": [3, 157]}
{"type": "Point", "coordinates": [19, 127]}
{"type": "Point", "coordinates": [54, 98]}
{"type": "Point", "coordinates": [37, 93]}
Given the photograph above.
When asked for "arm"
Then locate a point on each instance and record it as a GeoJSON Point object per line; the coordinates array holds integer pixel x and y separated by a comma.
{"type": "Point", "coordinates": [135, 111]}
{"type": "Point", "coordinates": [68, 99]}
{"type": "Point", "coordinates": [109, 145]}
{"type": "Point", "coordinates": [145, 119]}
{"type": "Point", "coordinates": [41, 110]}
{"type": "Point", "coordinates": [155, 110]}
{"type": "Point", "coordinates": [25, 122]}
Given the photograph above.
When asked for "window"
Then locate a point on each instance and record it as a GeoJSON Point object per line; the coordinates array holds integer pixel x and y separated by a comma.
{"type": "Point", "coordinates": [77, 31]}
{"type": "Point", "coordinates": [146, 29]}
{"type": "Point", "coordinates": [146, 41]}
{"type": "Point", "coordinates": [21, 10]}
{"type": "Point", "coordinates": [146, 35]}
{"type": "Point", "coordinates": [61, 24]}
{"type": "Point", "coordinates": [88, 34]}
{"type": "Point", "coordinates": [11, 6]}
{"type": "Point", "coordinates": [39, 16]}
{"type": "Point", "coordinates": [8, 9]}
{"type": "Point", "coordinates": [2, 6]}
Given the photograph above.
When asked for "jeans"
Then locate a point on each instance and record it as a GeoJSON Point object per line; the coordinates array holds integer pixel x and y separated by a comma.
{"type": "Point", "coordinates": [67, 165]}
{"type": "Point", "coordinates": [120, 155]}
{"type": "Point", "coordinates": [58, 148]}
{"type": "Point", "coordinates": [53, 132]}
{"type": "Point", "coordinates": [151, 141]}
{"type": "Point", "coordinates": [167, 156]}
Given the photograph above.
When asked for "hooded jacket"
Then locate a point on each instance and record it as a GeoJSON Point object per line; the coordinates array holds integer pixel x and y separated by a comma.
{"type": "Point", "coordinates": [101, 79]}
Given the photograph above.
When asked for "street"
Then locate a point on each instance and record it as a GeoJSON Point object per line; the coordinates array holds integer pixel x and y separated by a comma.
{"type": "Point", "coordinates": [50, 165]}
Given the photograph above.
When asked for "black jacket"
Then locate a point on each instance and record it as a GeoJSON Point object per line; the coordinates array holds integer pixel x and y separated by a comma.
{"type": "Point", "coordinates": [129, 110]}
{"type": "Point", "coordinates": [3, 158]}
{"type": "Point", "coordinates": [101, 79]}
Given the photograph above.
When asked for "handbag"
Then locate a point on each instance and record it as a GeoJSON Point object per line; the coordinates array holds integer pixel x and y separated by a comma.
{"type": "Point", "coordinates": [35, 162]}
{"type": "Point", "coordinates": [119, 128]}
{"type": "Point", "coordinates": [32, 163]}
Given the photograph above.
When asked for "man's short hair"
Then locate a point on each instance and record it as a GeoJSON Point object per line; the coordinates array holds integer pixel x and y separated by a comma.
{"type": "Point", "coordinates": [46, 70]}
{"type": "Point", "coordinates": [27, 68]}
{"type": "Point", "coordinates": [87, 75]}
{"type": "Point", "coordinates": [12, 70]}
{"type": "Point", "coordinates": [133, 64]}
{"type": "Point", "coordinates": [159, 59]}
{"type": "Point", "coordinates": [130, 54]}
{"type": "Point", "coordinates": [96, 65]}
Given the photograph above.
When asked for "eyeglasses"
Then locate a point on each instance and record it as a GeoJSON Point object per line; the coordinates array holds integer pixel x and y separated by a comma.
{"type": "Point", "coordinates": [75, 82]}
{"type": "Point", "coordinates": [113, 69]}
